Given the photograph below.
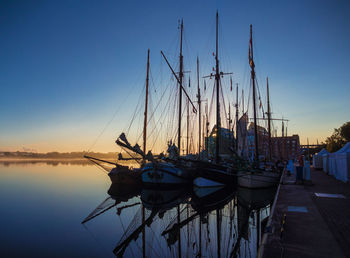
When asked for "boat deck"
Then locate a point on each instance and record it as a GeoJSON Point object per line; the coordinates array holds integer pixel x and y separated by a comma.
{"type": "Point", "coordinates": [310, 220]}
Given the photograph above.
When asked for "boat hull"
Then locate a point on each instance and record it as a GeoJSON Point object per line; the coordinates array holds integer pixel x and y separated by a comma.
{"type": "Point", "coordinates": [264, 179]}
{"type": "Point", "coordinates": [164, 175]}
{"type": "Point", "coordinates": [218, 174]}
{"type": "Point", "coordinates": [125, 176]}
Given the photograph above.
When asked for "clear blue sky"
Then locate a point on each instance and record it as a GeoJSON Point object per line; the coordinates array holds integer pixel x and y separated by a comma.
{"type": "Point", "coordinates": [65, 66]}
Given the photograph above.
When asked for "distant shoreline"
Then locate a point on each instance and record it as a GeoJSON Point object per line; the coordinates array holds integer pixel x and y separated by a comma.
{"type": "Point", "coordinates": [6, 161]}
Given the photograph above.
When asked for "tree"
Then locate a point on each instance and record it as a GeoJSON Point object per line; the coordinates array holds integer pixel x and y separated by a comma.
{"type": "Point", "coordinates": [345, 131]}
{"type": "Point", "coordinates": [339, 137]}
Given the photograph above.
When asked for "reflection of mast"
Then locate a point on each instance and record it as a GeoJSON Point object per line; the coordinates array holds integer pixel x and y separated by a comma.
{"type": "Point", "coordinates": [143, 234]}
{"type": "Point", "coordinates": [120, 248]}
{"type": "Point", "coordinates": [200, 236]}
{"type": "Point", "coordinates": [257, 229]}
{"type": "Point", "coordinates": [179, 232]}
{"type": "Point", "coordinates": [218, 231]}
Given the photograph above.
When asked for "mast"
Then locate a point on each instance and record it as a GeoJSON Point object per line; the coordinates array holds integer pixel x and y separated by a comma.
{"type": "Point", "coordinates": [269, 118]}
{"type": "Point", "coordinates": [252, 66]}
{"type": "Point", "coordinates": [199, 108]}
{"type": "Point", "coordinates": [144, 151]}
{"type": "Point", "coordinates": [243, 101]}
{"type": "Point", "coordinates": [188, 122]}
{"type": "Point", "coordinates": [229, 117]}
{"type": "Point", "coordinates": [217, 79]}
{"type": "Point", "coordinates": [180, 89]}
{"type": "Point", "coordinates": [236, 118]}
{"type": "Point", "coordinates": [146, 106]}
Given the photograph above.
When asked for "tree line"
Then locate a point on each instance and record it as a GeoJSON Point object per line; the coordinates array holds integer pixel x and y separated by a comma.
{"type": "Point", "coordinates": [339, 138]}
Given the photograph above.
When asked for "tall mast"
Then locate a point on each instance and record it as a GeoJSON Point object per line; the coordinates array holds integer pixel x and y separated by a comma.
{"type": "Point", "coordinates": [229, 117]}
{"type": "Point", "coordinates": [236, 118]}
{"type": "Point", "coordinates": [242, 101]}
{"type": "Point", "coordinates": [229, 109]}
{"type": "Point", "coordinates": [217, 79]}
{"type": "Point", "coordinates": [144, 150]}
{"type": "Point", "coordinates": [199, 108]}
{"type": "Point", "coordinates": [146, 107]}
{"type": "Point", "coordinates": [252, 66]}
{"type": "Point", "coordinates": [180, 89]}
{"type": "Point", "coordinates": [269, 118]}
{"type": "Point", "coordinates": [188, 123]}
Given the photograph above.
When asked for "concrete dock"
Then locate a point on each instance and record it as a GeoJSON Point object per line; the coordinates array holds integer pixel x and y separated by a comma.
{"type": "Point", "coordinates": [309, 220]}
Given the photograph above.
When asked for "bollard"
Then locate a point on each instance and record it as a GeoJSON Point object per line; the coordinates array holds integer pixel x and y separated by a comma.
{"type": "Point", "coordinates": [307, 176]}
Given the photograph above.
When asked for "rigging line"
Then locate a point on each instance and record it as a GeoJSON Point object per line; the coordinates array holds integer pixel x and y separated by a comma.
{"type": "Point", "coordinates": [262, 106]}
{"type": "Point", "coordinates": [98, 241]}
{"type": "Point", "coordinates": [211, 103]}
{"type": "Point", "coordinates": [155, 128]}
{"type": "Point", "coordinates": [171, 120]}
{"type": "Point", "coordinates": [136, 110]}
{"type": "Point", "coordinates": [224, 106]}
{"type": "Point", "coordinates": [159, 102]}
{"type": "Point", "coordinates": [114, 115]}
{"type": "Point", "coordinates": [151, 116]}
{"type": "Point", "coordinates": [99, 166]}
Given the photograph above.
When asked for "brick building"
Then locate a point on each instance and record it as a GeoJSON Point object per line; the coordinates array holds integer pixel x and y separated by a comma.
{"type": "Point", "coordinates": [285, 148]}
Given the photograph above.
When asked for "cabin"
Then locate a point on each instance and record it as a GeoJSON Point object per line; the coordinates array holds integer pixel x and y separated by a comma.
{"type": "Point", "coordinates": [226, 142]}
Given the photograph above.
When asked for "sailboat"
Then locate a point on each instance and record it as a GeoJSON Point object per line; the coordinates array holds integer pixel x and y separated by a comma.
{"type": "Point", "coordinates": [256, 176]}
{"type": "Point", "coordinates": [171, 172]}
{"type": "Point", "coordinates": [217, 173]}
{"type": "Point", "coordinates": [124, 174]}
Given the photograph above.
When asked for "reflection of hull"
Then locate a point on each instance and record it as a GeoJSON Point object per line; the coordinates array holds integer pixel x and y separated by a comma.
{"type": "Point", "coordinates": [123, 192]}
{"type": "Point", "coordinates": [165, 199]}
{"type": "Point", "coordinates": [209, 199]}
{"type": "Point", "coordinates": [243, 222]}
{"type": "Point", "coordinates": [124, 175]}
{"type": "Point", "coordinates": [205, 183]}
{"type": "Point", "coordinates": [164, 174]}
{"type": "Point", "coordinates": [255, 198]}
{"type": "Point", "coordinates": [258, 179]}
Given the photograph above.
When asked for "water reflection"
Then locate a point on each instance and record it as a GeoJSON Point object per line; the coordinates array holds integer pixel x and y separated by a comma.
{"type": "Point", "coordinates": [29, 162]}
{"type": "Point", "coordinates": [220, 222]}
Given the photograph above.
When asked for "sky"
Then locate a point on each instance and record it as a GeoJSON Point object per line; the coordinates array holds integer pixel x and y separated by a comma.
{"type": "Point", "coordinates": [71, 72]}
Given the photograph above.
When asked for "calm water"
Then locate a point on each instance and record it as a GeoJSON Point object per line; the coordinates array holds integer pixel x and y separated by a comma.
{"type": "Point", "coordinates": [43, 205]}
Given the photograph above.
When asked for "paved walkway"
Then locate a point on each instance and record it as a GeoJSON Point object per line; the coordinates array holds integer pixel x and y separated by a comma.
{"type": "Point", "coordinates": [313, 226]}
